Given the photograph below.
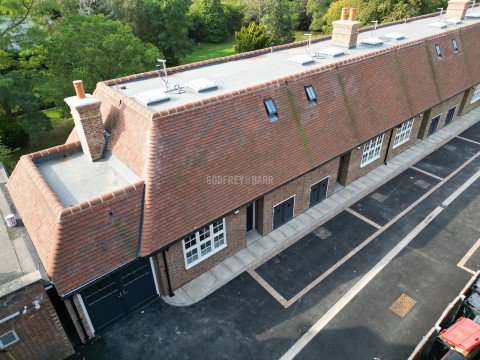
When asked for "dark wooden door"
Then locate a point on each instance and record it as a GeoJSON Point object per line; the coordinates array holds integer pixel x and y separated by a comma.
{"type": "Point", "coordinates": [120, 294]}
{"type": "Point", "coordinates": [318, 192]}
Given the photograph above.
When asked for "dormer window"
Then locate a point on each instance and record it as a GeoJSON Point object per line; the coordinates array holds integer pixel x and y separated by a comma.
{"type": "Point", "coordinates": [311, 95]}
{"type": "Point", "coordinates": [271, 109]}
{"type": "Point", "coordinates": [455, 45]}
{"type": "Point", "coordinates": [438, 51]}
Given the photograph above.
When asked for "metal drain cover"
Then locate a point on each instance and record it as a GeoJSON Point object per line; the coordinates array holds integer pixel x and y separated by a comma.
{"type": "Point", "coordinates": [379, 197]}
{"type": "Point", "coordinates": [322, 233]}
{"type": "Point", "coordinates": [403, 305]}
{"type": "Point", "coordinates": [422, 184]}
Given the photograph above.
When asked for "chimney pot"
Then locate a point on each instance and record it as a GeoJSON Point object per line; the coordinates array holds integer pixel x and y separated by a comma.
{"type": "Point", "coordinates": [352, 14]}
{"type": "Point", "coordinates": [79, 89]}
{"type": "Point", "coordinates": [344, 14]}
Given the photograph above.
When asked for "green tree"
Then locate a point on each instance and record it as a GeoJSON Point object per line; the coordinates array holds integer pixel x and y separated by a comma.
{"type": "Point", "coordinates": [20, 120]}
{"type": "Point", "coordinates": [234, 12]}
{"type": "Point", "coordinates": [208, 21]}
{"type": "Point", "coordinates": [278, 21]}
{"type": "Point", "coordinates": [94, 48]}
{"type": "Point", "coordinates": [251, 38]}
{"type": "Point", "coordinates": [169, 27]}
{"type": "Point", "coordinates": [316, 9]}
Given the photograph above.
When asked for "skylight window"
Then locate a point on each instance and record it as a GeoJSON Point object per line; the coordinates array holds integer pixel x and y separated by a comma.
{"type": "Point", "coordinates": [438, 51]}
{"type": "Point", "coordinates": [311, 95]}
{"type": "Point", "coordinates": [455, 45]}
{"type": "Point", "coordinates": [271, 109]}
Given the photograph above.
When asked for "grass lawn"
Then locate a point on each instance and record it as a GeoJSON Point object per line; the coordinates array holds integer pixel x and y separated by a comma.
{"type": "Point", "coordinates": [206, 51]}
{"type": "Point", "coordinates": [58, 135]}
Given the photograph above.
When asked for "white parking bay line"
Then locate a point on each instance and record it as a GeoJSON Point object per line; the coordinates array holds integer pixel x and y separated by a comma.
{"type": "Point", "coordinates": [335, 309]}
{"type": "Point", "coordinates": [468, 255]}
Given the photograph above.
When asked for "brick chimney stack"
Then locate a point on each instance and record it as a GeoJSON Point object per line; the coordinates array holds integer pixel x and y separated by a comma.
{"type": "Point", "coordinates": [345, 32]}
{"type": "Point", "coordinates": [85, 110]}
{"type": "Point", "coordinates": [457, 9]}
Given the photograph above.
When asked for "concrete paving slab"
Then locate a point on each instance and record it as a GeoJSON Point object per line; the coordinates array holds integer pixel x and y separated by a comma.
{"type": "Point", "coordinates": [267, 243]}
{"type": "Point", "coordinates": [278, 236]}
{"type": "Point", "coordinates": [332, 204]}
{"type": "Point", "coordinates": [288, 230]}
{"type": "Point", "coordinates": [194, 289]}
{"type": "Point", "coordinates": [305, 218]}
{"type": "Point", "coordinates": [23, 255]}
{"type": "Point", "coordinates": [340, 198]}
{"type": "Point", "coordinates": [222, 272]}
{"type": "Point", "coordinates": [257, 249]}
{"type": "Point", "coordinates": [208, 280]}
{"type": "Point", "coordinates": [234, 264]}
{"type": "Point", "coordinates": [296, 224]}
{"type": "Point", "coordinates": [314, 213]}
{"type": "Point", "coordinates": [245, 257]}
{"type": "Point", "coordinates": [180, 299]}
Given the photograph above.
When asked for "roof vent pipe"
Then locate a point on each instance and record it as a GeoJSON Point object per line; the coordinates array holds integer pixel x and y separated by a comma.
{"type": "Point", "coordinates": [79, 89]}
{"type": "Point", "coordinates": [352, 14]}
{"type": "Point", "coordinates": [344, 14]}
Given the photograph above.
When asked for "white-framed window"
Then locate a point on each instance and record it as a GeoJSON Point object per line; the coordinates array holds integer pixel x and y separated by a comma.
{"type": "Point", "coordinates": [372, 150]}
{"type": "Point", "coordinates": [476, 94]}
{"type": "Point", "coordinates": [8, 338]}
{"type": "Point", "coordinates": [403, 133]}
{"type": "Point", "coordinates": [204, 243]}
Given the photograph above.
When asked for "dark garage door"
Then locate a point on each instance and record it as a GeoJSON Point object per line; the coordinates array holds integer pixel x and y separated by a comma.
{"type": "Point", "coordinates": [119, 294]}
{"type": "Point", "coordinates": [283, 212]}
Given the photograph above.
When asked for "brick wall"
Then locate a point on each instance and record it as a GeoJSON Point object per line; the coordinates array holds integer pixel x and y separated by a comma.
{"type": "Point", "coordinates": [440, 109]}
{"type": "Point", "coordinates": [466, 106]}
{"type": "Point", "coordinates": [236, 228]}
{"type": "Point", "coordinates": [300, 188]}
{"type": "Point", "coordinates": [40, 331]}
{"type": "Point", "coordinates": [350, 164]}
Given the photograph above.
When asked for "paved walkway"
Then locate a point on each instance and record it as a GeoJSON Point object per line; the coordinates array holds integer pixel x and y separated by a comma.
{"type": "Point", "coordinates": [16, 260]}
{"type": "Point", "coordinates": [260, 249]}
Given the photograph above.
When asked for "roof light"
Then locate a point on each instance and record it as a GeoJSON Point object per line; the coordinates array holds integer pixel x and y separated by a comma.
{"type": "Point", "coordinates": [394, 36]}
{"type": "Point", "coordinates": [151, 97]}
{"type": "Point", "coordinates": [301, 59]}
{"type": "Point", "coordinates": [271, 109]}
{"type": "Point", "coordinates": [200, 85]}
{"type": "Point", "coordinates": [331, 51]}
{"type": "Point", "coordinates": [311, 95]}
{"type": "Point", "coordinates": [372, 41]}
{"type": "Point", "coordinates": [438, 24]}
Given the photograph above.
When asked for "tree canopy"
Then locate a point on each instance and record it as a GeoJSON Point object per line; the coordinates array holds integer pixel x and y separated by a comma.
{"type": "Point", "coordinates": [94, 48]}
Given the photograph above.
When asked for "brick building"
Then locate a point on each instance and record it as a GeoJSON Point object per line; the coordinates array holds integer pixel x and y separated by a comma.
{"type": "Point", "coordinates": [192, 161]}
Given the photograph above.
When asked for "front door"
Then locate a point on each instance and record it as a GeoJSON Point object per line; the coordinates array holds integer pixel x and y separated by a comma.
{"type": "Point", "coordinates": [283, 212]}
{"type": "Point", "coordinates": [119, 294]}
{"type": "Point", "coordinates": [251, 216]}
{"type": "Point", "coordinates": [434, 125]}
{"type": "Point", "coordinates": [318, 192]}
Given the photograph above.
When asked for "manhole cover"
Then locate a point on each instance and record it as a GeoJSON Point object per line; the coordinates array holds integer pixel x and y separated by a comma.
{"type": "Point", "coordinates": [422, 184]}
{"type": "Point", "coordinates": [379, 197]}
{"type": "Point", "coordinates": [403, 305]}
{"type": "Point", "coordinates": [322, 233]}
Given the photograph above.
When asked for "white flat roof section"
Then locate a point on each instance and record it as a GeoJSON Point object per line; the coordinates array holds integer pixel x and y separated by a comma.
{"type": "Point", "coordinates": [240, 74]}
{"type": "Point", "coordinates": [75, 178]}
